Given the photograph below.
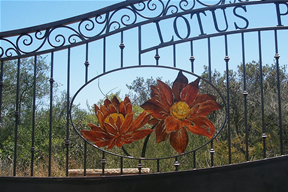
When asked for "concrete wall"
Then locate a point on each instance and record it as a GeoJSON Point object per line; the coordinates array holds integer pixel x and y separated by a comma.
{"type": "Point", "coordinates": [265, 175]}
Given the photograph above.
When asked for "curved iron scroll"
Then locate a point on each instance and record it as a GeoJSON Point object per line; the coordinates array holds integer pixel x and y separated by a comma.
{"type": "Point", "coordinates": [98, 24]}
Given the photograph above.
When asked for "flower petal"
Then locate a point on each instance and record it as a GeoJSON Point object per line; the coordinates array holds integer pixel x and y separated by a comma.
{"type": "Point", "coordinates": [122, 108]}
{"type": "Point", "coordinates": [172, 124]}
{"type": "Point", "coordinates": [94, 136]}
{"type": "Point", "coordinates": [111, 144]}
{"type": "Point", "coordinates": [140, 134]}
{"type": "Point", "coordinates": [118, 142]}
{"type": "Point", "coordinates": [106, 103]}
{"type": "Point", "coordinates": [100, 117]}
{"type": "Point", "coordinates": [180, 82]}
{"type": "Point", "coordinates": [125, 106]}
{"type": "Point", "coordinates": [126, 125]}
{"type": "Point", "coordinates": [118, 121]}
{"type": "Point", "coordinates": [160, 130]}
{"type": "Point", "coordinates": [128, 105]}
{"type": "Point", "coordinates": [207, 107]}
{"type": "Point", "coordinates": [153, 121]}
{"type": "Point", "coordinates": [102, 143]}
{"type": "Point", "coordinates": [155, 110]}
{"type": "Point", "coordinates": [155, 92]}
{"type": "Point", "coordinates": [116, 102]}
{"type": "Point", "coordinates": [95, 128]}
{"type": "Point", "coordinates": [179, 140]}
{"type": "Point", "coordinates": [202, 126]}
{"type": "Point", "coordinates": [112, 108]}
{"type": "Point", "coordinates": [190, 92]}
{"type": "Point", "coordinates": [110, 128]}
{"type": "Point", "coordinates": [104, 110]}
{"type": "Point", "coordinates": [204, 97]}
{"type": "Point", "coordinates": [96, 108]}
{"type": "Point", "coordinates": [140, 121]}
{"type": "Point", "coordinates": [166, 96]}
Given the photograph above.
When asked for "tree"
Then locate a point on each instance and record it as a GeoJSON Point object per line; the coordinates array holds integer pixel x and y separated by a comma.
{"type": "Point", "coordinates": [140, 89]}
{"type": "Point", "coordinates": [25, 104]}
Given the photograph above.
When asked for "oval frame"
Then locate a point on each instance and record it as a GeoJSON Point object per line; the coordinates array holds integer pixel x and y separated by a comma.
{"type": "Point", "coordinates": [145, 66]}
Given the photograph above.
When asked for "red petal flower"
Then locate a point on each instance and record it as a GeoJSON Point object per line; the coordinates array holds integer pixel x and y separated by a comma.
{"type": "Point", "coordinates": [161, 133]}
{"type": "Point", "coordinates": [178, 109]}
{"type": "Point", "coordinates": [117, 126]}
{"type": "Point", "coordinates": [179, 140]}
{"type": "Point", "coordinates": [180, 82]}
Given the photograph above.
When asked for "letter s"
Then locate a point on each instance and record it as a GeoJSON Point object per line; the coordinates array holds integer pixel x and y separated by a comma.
{"type": "Point", "coordinates": [240, 16]}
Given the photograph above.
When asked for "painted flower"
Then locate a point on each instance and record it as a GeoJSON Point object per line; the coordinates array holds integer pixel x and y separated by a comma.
{"type": "Point", "coordinates": [180, 109]}
{"type": "Point", "coordinates": [116, 124]}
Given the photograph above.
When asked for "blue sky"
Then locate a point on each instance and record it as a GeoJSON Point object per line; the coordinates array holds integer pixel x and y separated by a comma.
{"type": "Point", "coordinates": [22, 14]}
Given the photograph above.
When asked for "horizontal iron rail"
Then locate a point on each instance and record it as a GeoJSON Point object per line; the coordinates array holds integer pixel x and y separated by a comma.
{"type": "Point", "coordinates": [164, 44]}
{"type": "Point", "coordinates": [119, 6]}
{"type": "Point", "coordinates": [68, 20]}
{"type": "Point", "coordinates": [214, 35]}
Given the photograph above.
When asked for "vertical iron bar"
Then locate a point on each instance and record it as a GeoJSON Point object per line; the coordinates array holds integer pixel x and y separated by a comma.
{"type": "Point", "coordinates": [67, 142]}
{"type": "Point", "coordinates": [209, 60]}
{"type": "Point", "coordinates": [194, 159]}
{"type": "Point", "coordinates": [158, 166]}
{"type": "Point", "coordinates": [245, 93]}
{"type": "Point", "coordinates": [86, 63]}
{"type": "Point", "coordinates": [122, 46]}
{"type": "Point", "coordinates": [51, 113]}
{"type": "Point", "coordinates": [139, 45]}
{"type": "Point", "coordinates": [33, 115]}
{"type": "Point", "coordinates": [1, 90]}
{"type": "Point", "coordinates": [277, 56]}
{"type": "Point", "coordinates": [86, 79]}
{"type": "Point", "coordinates": [17, 114]}
{"type": "Point", "coordinates": [192, 58]}
{"type": "Point", "coordinates": [157, 57]}
{"type": "Point", "coordinates": [140, 166]}
{"type": "Point", "coordinates": [176, 164]}
{"type": "Point", "coordinates": [226, 59]}
{"type": "Point", "coordinates": [104, 54]}
{"type": "Point", "coordinates": [103, 162]}
{"type": "Point", "coordinates": [210, 80]}
{"type": "Point", "coordinates": [262, 96]}
{"type": "Point", "coordinates": [174, 55]}
{"type": "Point", "coordinates": [121, 165]}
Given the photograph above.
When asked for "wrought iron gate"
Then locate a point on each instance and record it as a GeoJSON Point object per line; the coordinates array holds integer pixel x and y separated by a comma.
{"type": "Point", "coordinates": [183, 37]}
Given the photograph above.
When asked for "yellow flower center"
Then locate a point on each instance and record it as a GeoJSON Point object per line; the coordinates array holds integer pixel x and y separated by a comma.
{"type": "Point", "coordinates": [114, 117]}
{"type": "Point", "coordinates": [180, 110]}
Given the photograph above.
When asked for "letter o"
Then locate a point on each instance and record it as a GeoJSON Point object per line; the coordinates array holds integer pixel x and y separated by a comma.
{"type": "Point", "coordinates": [176, 29]}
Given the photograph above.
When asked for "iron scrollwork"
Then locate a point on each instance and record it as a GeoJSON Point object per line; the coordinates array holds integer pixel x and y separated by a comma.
{"type": "Point", "coordinates": [96, 27]}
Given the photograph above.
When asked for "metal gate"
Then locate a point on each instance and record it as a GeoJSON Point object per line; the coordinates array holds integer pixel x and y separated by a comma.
{"type": "Point", "coordinates": [228, 51]}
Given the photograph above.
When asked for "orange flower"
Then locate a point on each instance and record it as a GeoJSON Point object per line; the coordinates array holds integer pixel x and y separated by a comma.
{"type": "Point", "coordinates": [117, 126]}
{"type": "Point", "coordinates": [178, 109]}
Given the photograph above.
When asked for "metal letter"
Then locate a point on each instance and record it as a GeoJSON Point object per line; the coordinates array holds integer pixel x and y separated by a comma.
{"type": "Point", "coordinates": [160, 33]}
{"type": "Point", "coordinates": [240, 16]}
{"type": "Point", "coordinates": [176, 29]}
{"type": "Point", "coordinates": [215, 20]}
{"type": "Point", "coordinates": [199, 21]}
{"type": "Point", "coordinates": [279, 14]}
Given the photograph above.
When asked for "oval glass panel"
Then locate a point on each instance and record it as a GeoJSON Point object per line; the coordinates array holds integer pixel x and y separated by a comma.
{"type": "Point", "coordinates": [149, 112]}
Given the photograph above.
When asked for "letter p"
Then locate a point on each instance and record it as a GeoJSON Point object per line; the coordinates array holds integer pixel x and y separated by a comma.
{"type": "Point", "coordinates": [279, 14]}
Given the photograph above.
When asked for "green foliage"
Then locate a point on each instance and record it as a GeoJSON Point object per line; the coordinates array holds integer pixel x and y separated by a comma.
{"type": "Point", "coordinates": [139, 92]}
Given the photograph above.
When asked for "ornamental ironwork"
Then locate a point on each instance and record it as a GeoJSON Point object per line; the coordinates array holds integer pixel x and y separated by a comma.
{"type": "Point", "coordinates": [172, 114]}
{"type": "Point", "coordinates": [99, 24]}
{"type": "Point", "coordinates": [175, 113]}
